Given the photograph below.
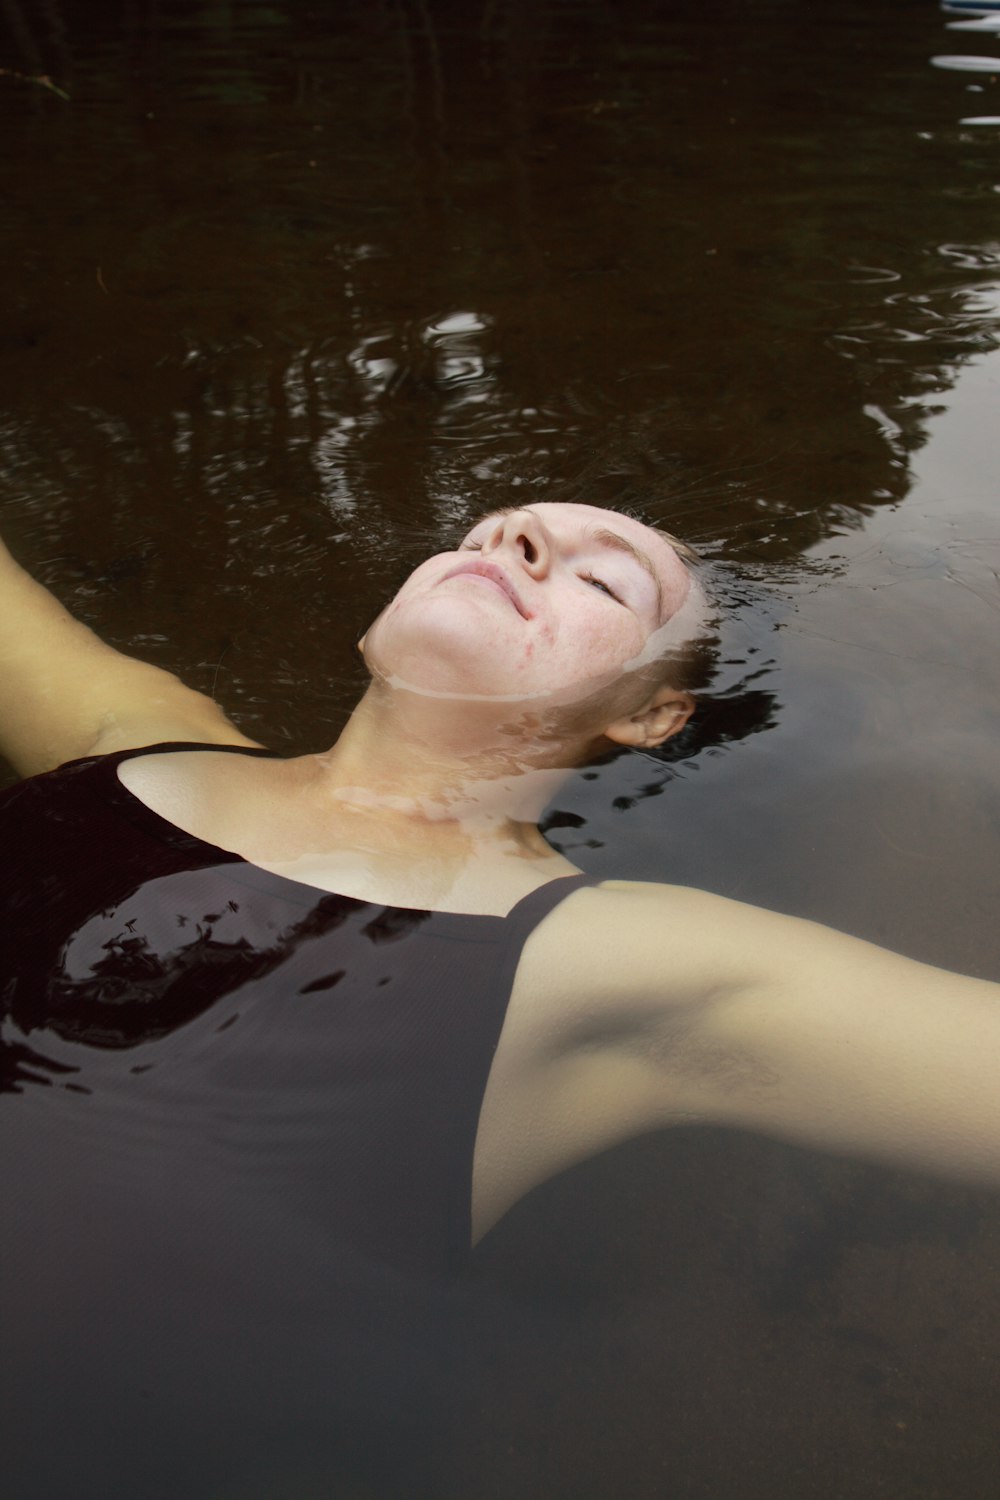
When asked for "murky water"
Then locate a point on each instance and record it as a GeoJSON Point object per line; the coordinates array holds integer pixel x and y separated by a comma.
{"type": "Point", "coordinates": [294, 290]}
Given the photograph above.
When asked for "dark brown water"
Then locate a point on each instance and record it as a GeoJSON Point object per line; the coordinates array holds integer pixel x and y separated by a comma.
{"type": "Point", "coordinates": [292, 291]}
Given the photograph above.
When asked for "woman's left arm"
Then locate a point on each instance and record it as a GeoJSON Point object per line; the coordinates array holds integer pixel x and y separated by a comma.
{"type": "Point", "coordinates": [836, 1043]}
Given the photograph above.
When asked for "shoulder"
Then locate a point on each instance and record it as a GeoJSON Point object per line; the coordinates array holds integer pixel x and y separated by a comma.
{"type": "Point", "coordinates": [636, 947]}
{"type": "Point", "coordinates": [625, 919]}
{"type": "Point", "coordinates": [644, 950]}
{"type": "Point", "coordinates": [636, 957]}
{"type": "Point", "coordinates": [651, 915]}
{"type": "Point", "coordinates": [609, 1030]}
{"type": "Point", "coordinates": [175, 716]}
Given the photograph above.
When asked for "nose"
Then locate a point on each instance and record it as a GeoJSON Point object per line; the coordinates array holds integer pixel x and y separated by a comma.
{"type": "Point", "coordinates": [521, 531]}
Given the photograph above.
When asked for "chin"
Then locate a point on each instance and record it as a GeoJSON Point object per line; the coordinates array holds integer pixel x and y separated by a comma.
{"type": "Point", "coordinates": [446, 657]}
{"type": "Point", "coordinates": [433, 674]}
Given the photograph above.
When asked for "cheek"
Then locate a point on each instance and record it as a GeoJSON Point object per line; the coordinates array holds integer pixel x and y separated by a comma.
{"type": "Point", "coordinates": [607, 640]}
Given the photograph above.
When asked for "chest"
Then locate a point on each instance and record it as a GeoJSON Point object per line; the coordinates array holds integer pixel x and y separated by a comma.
{"type": "Point", "coordinates": [328, 1053]}
{"type": "Point", "coordinates": [249, 810]}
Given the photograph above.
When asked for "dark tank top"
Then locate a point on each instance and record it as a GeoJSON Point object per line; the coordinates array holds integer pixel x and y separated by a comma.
{"type": "Point", "coordinates": [237, 1123]}
{"type": "Point", "coordinates": [141, 965]}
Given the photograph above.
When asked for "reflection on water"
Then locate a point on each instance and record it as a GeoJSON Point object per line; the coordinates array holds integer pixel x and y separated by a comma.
{"type": "Point", "coordinates": [963, 64]}
{"type": "Point", "coordinates": [294, 291]}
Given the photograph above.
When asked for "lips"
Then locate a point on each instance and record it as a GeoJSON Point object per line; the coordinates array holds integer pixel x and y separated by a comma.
{"type": "Point", "coordinates": [480, 568]}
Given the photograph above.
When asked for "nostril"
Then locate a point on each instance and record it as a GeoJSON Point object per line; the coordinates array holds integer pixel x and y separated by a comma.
{"type": "Point", "coordinates": [529, 551]}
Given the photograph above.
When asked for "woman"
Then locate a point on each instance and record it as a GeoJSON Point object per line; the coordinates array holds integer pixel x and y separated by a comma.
{"type": "Point", "coordinates": [356, 993]}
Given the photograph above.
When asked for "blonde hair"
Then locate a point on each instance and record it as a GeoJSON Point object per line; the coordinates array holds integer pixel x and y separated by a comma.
{"type": "Point", "coordinates": [684, 550]}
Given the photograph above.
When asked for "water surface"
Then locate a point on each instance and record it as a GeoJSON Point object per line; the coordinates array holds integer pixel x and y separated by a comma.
{"type": "Point", "coordinates": [294, 291]}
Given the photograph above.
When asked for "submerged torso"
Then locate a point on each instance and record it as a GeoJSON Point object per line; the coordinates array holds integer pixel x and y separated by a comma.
{"type": "Point", "coordinates": [238, 1117]}
{"type": "Point", "coordinates": [250, 1127]}
{"type": "Point", "coordinates": [331, 1049]}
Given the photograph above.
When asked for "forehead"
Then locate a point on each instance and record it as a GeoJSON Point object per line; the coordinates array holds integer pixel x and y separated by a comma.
{"type": "Point", "coordinates": [574, 521]}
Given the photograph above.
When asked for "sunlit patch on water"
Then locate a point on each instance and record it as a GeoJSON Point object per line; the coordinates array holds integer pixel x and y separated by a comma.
{"type": "Point", "coordinates": [971, 64]}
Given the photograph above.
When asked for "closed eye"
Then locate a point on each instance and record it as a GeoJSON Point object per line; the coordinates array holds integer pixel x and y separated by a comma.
{"type": "Point", "coordinates": [598, 583]}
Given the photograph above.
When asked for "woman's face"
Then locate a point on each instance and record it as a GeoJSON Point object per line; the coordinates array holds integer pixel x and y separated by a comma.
{"type": "Point", "coordinates": [548, 603]}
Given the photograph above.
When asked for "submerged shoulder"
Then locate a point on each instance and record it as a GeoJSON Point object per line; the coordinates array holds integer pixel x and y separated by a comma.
{"type": "Point", "coordinates": [659, 911]}
{"type": "Point", "coordinates": [638, 908]}
{"type": "Point", "coordinates": [639, 940]}
{"type": "Point", "coordinates": [628, 937]}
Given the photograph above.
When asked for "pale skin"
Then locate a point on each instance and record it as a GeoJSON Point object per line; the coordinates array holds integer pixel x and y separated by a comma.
{"type": "Point", "coordinates": [496, 669]}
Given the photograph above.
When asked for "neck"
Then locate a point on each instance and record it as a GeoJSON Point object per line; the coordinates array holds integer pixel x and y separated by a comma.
{"type": "Point", "coordinates": [468, 765]}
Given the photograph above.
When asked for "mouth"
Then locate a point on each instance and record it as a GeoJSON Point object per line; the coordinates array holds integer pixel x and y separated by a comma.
{"type": "Point", "coordinates": [479, 568]}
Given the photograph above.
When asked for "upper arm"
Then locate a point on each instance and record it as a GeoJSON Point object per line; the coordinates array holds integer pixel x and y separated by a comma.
{"type": "Point", "coordinates": [65, 693]}
{"type": "Point", "coordinates": [864, 1051]}
{"type": "Point", "coordinates": [706, 1009]}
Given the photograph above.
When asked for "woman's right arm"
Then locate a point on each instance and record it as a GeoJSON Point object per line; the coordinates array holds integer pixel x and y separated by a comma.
{"type": "Point", "coordinates": [64, 693]}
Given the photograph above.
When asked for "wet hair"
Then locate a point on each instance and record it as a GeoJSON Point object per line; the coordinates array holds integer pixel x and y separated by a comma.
{"type": "Point", "coordinates": [684, 550]}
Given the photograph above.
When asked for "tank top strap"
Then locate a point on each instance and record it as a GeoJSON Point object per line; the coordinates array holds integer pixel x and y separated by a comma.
{"type": "Point", "coordinates": [114, 758]}
{"type": "Point", "coordinates": [521, 921]}
{"type": "Point", "coordinates": [533, 908]}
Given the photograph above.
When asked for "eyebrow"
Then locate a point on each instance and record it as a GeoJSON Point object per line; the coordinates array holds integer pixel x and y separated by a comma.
{"type": "Point", "coordinates": [622, 544]}
{"type": "Point", "coordinates": [606, 538]}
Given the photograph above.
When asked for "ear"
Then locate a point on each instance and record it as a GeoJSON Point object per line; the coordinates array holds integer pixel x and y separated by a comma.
{"type": "Point", "coordinates": [662, 715]}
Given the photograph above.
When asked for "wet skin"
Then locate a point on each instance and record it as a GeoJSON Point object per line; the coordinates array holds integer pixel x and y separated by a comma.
{"type": "Point", "coordinates": [495, 669]}
{"type": "Point", "coordinates": [564, 596]}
